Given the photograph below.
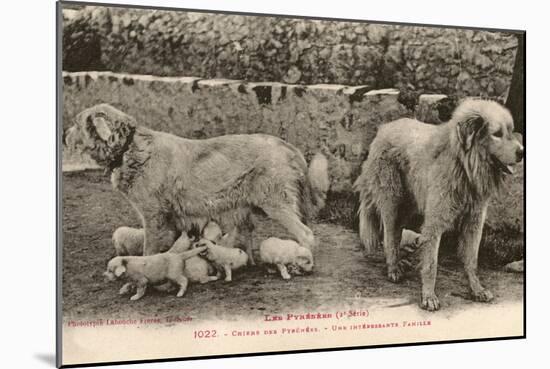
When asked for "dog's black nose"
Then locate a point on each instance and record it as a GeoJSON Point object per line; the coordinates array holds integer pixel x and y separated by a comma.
{"type": "Point", "coordinates": [519, 154]}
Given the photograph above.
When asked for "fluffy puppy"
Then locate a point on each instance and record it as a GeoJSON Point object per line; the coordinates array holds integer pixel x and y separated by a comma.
{"type": "Point", "coordinates": [213, 232]}
{"type": "Point", "coordinates": [153, 269]}
{"type": "Point", "coordinates": [443, 175]}
{"type": "Point", "coordinates": [175, 183]}
{"type": "Point", "coordinates": [224, 259]}
{"type": "Point", "coordinates": [286, 254]}
{"type": "Point", "coordinates": [128, 241]}
{"type": "Point", "coordinates": [196, 269]}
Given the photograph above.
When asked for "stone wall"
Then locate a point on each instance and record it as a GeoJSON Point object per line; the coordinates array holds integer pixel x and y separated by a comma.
{"type": "Point", "coordinates": [295, 51]}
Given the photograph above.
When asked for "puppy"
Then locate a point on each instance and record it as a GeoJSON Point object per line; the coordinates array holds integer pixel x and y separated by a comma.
{"type": "Point", "coordinates": [224, 259]}
{"type": "Point", "coordinates": [196, 269]}
{"type": "Point", "coordinates": [442, 174]}
{"type": "Point", "coordinates": [213, 232]}
{"type": "Point", "coordinates": [286, 254]}
{"type": "Point", "coordinates": [153, 269]}
{"type": "Point", "coordinates": [128, 241]}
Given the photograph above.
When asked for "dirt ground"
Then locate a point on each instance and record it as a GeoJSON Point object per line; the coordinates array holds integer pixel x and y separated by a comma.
{"type": "Point", "coordinates": [342, 276]}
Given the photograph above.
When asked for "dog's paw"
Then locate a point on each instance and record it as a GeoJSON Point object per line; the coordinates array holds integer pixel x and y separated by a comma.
{"type": "Point", "coordinates": [395, 275]}
{"type": "Point", "coordinates": [135, 297]}
{"type": "Point", "coordinates": [483, 296]}
{"type": "Point", "coordinates": [430, 302]}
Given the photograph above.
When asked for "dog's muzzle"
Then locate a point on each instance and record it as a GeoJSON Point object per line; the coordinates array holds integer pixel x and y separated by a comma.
{"type": "Point", "coordinates": [109, 276]}
{"type": "Point", "coordinates": [505, 168]}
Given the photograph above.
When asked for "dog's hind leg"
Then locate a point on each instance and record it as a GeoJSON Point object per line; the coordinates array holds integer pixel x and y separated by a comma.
{"type": "Point", "coordinates": [141, 288]}
{"type": "Point", "coordinates": [227, 270]}
{"type": "Point", "coordinates": [290, 220]}
{"type": "Point", "coordinates": [392, 240]}
{"type": "Point", "coordinates": [182, 281]}
{"type": "Point", "coordinates": [369, 227]}
{"type": "Point", "coordinates": [468, 248]}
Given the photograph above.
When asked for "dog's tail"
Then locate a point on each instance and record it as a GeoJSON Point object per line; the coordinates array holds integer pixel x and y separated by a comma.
{"type": "Point", "coordinates": [369, 226]}
{"type": "Point", "coordinates": [318, 178]}
{"type": "Point", "coordinates": [369, 218]}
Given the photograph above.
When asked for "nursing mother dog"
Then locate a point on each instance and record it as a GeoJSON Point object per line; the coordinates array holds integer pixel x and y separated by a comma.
{"type": "Point", "coordinates": [176, 184]}
{"type": "Point", "coordinates": [445, 174]}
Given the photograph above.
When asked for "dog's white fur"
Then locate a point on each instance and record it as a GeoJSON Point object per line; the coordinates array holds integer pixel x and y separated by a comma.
{"type": "Point", "coordinates": [196, 269]}
{"type": "Point", "coordinates": [445, 174]}
{"type": "Point", "coordinates": [128, 241]}
{"type": "Point", "coordinates": [152, 269]}
{"type": "Point", "coordinates": [224, 259]}
{"type": "Point", "coordinates": [212, 232]}
{"type": "Point", "coordinates": [286, 254]}
{"type": "Point", "coordinates": [176, 183]}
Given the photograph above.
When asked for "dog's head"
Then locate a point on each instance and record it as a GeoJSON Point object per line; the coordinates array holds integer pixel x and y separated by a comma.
{"type": "Point", "coordinates": [116, 267]}
{"type": "Point", "coordinates": [103, 132]}
{"type": "Point", "coordinates": [487, 128]}
{"type": "Point", "coordinates": [304, 261]}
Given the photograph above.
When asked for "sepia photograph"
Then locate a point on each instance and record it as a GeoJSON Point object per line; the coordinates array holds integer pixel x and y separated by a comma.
{"type": "Point", "coordinates": [240, 183]}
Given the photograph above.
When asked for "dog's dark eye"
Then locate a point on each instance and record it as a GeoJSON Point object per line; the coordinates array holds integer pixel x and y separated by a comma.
{"type": "Point", "coordinates": [498, 133]}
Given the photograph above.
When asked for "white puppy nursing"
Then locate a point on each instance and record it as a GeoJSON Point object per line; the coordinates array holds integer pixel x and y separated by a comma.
{"type": "Point", "coordinates": [224, 259]}
{"type": "Point", "coordinates": [196, 269]}
{"type": "Point", "coordinates": [285, 255]}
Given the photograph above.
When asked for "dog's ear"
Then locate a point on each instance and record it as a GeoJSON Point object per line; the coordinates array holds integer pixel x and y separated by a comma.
{"type": "Point", "coordinates": [470, 130]}
{"type": "Point", "coordinates": [109, 124]}
{"type": "Point", "coordinates": [100, 125]}
{"type": "Point", "coordinates": [120, 269]}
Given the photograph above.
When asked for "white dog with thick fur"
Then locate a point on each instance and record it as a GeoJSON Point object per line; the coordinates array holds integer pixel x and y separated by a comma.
{"type": "Point", "coordinates": [285, 255]}
{"type": "Point", "coordinates": [176, 183]}
{"type": "Point", "coordinates": [444, 175]}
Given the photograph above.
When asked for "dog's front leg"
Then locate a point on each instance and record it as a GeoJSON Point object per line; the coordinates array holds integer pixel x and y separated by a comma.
{"type": "Point", "coordinates": [159, 231]}
{"type": "Point", "coordinates": [227, 270]}
{"type": "Point", "coordinates": [429, 247]}
{"type": "Point", "coordinates": [468, 248]}
{"type": "Point", "coordinates": [141, 288]}
{"type": "Point", "coordinates": [283, 271]}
